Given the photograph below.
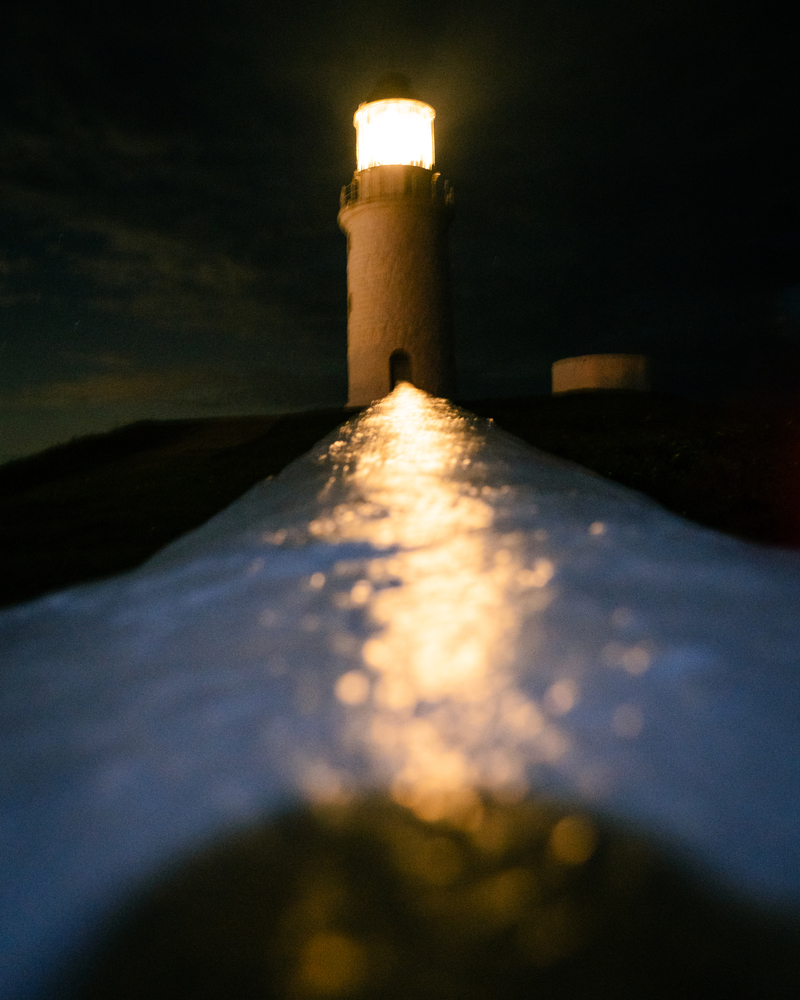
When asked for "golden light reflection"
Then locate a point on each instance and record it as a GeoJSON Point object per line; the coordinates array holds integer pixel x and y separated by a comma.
{"type": "Point", "coordinates": [365, 900]}
{"type": "Point", "coordinates": [573, 840]}
{"type": "Point", "coordinates": [394, 131]}
{"type": "Point", "coordinates": [331, 965]}
{"type": "Point", "coordinates": [444, 717]}
{"type": "Point", "coordinates": [352, 688]}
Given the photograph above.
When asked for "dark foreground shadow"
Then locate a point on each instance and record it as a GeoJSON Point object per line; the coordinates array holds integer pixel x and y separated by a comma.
{"type": "Point", "coordinates": [366, 900]}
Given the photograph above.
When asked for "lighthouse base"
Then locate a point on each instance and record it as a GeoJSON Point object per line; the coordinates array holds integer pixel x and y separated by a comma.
{"type": "Point", "coordinates": [399, 326]}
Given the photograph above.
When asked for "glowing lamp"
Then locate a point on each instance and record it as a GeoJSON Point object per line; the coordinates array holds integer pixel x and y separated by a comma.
{"type": "Point", "coordinates": [394, 131]}
{"type": "Point", "coordinates": [395, 213]}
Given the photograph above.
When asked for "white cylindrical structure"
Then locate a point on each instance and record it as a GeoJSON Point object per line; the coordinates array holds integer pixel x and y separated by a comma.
{"type": "Point", "coordinates": [396, 216]}
{"type": "Point", "coordinates": [601, 371]}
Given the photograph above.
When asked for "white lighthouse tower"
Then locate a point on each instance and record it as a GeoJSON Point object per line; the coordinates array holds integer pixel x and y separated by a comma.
{"type": "Point", "coordinates": [396, 213]}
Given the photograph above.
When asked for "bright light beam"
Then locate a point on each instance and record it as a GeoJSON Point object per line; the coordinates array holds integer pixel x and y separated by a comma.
{"type": "Point", "coordinates": [396, 131]}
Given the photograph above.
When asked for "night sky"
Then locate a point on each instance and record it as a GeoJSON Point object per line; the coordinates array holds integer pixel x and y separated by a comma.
{"type": "Point", "coordinates": [626, 174]}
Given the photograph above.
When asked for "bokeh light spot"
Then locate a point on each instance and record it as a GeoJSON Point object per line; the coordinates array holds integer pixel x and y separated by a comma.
{"type": "Point", "coordinates": [331, 965]}
{"type": "Point", "coordinates": [561, 697]}
{"type": "Point", "coordinates": [573, 840]}
{"type": "Point", "coordinates": [627, 721]}
{"type": "Point", "coordinates": [352, 688]}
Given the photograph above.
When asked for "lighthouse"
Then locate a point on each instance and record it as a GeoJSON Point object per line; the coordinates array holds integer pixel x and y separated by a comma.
{"type": "Point", "coordinates": [396, 213]}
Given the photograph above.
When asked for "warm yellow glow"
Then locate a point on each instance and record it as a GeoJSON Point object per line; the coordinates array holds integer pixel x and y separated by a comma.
{"type": "Point", "coordinates": [352, 688]}
{"type": "Point", "coordinates": [573, 840]}
{"type": "Point", "coordinates": [332, 965]}
{"type": "Point", "coordinates": [435, 699]}
{"type": "Point", "coordinates": [394, 131]}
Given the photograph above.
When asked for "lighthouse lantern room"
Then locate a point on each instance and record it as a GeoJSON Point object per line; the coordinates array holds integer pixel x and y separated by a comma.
{"type": "Point", "coordinates": [394, 131]}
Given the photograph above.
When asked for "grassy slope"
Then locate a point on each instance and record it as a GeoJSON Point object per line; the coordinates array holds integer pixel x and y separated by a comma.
{"type": "Point", "coordinates": [104, 504]}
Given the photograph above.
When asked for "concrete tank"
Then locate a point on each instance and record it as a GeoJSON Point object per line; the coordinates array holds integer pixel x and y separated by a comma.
{"type": "Point", "coordinates": [601, 371]}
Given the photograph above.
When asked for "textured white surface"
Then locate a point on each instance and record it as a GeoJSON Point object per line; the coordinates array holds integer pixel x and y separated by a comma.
{"type": "Point", "coordinates": [398, 284]}
{"type": "Point", "coordinates": [422, 604]}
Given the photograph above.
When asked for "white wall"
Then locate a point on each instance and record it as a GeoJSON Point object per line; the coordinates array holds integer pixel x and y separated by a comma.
{"type": "Point", "coordinates": [397, 282]}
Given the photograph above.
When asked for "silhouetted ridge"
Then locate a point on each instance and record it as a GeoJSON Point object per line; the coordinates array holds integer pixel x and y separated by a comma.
{"type": "Point", "coordinates": [85, 453]}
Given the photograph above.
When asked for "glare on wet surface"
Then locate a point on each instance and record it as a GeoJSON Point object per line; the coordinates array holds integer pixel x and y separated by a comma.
{"type": "Point", "coordinates": [442, 715]}
{"type": "Point", "coordinates": [422, 607]}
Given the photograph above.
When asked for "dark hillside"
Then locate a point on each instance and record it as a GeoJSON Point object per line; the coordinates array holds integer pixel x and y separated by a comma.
{"type": "Point", "coordinates": [95, 450]}
{"type": "Point", "coordinates": [102, 505]}
{"type": "Point", "coordinates": [732, 467]}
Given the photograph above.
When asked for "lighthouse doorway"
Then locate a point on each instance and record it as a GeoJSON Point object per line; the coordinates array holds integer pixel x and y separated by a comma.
{"type": "Point", "coordinates": [399, 368]}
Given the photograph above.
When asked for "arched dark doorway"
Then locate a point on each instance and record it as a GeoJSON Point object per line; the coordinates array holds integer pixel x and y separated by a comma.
{"type": "Point", "coordinates": [400, 368]}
